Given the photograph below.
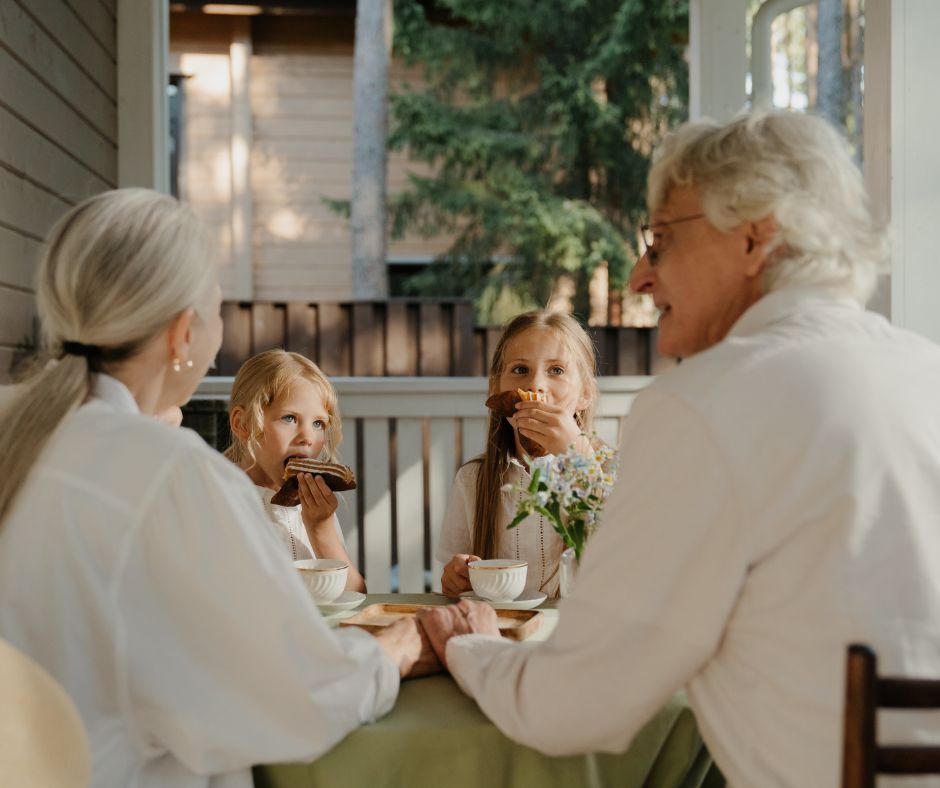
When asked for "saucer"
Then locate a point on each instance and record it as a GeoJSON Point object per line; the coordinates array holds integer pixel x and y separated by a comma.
{"type": "Point", "coordinates": [345, 601]}
{"type": "Point", "coordinates": [520, 603]}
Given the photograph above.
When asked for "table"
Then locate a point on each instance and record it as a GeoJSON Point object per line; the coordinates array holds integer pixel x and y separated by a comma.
{"type": "Point", "coordinates": [437, 737]}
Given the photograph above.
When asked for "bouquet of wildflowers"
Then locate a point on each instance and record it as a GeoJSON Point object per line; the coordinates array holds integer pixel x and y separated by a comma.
{"type": "Point", "coordinates": [569, 490]}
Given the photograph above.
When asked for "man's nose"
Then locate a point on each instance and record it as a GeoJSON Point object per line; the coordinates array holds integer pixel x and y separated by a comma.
{"type": "Point", "coordinates": [642, 275]}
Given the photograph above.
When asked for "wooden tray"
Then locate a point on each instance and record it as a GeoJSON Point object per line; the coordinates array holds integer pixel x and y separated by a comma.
{"type": "Point", "coordinates": [513, 624]}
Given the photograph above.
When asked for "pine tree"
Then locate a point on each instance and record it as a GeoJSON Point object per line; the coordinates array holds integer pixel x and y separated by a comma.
{"type": "Point", "coordinates": [537, 119]}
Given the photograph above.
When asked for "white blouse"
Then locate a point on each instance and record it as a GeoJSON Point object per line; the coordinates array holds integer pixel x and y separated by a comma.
{"type": "Point", "coordinates": [533, 540]}
{"type": "Point", "coordinates": [288, 522]}
{"type": "Point", "coordinates": [138, 567]}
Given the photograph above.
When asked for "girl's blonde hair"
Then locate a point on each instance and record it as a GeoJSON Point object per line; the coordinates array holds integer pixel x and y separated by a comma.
{"type": "Point", "coordinates": [260, 381]}
{"type": "Point", "coordinates": [500, 442]}
{"type": "Point", "coordinates": [117, 269]}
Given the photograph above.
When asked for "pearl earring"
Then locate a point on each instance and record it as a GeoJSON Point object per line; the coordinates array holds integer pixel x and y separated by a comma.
{"type": "Point", "coordinates": [176, 365]}
{"type": "Point", "coordinates": [189, 363]}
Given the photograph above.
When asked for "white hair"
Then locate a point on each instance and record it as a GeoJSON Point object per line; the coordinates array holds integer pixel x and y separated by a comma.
{"type": "Point", "coordinates": [794, 167]}
{"type": "Point", "coordinates": [117, 269]}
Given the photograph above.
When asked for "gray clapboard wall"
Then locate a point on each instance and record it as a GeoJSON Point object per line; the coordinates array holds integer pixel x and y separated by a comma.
{"type": "Point", "coordinates": [58, 136]}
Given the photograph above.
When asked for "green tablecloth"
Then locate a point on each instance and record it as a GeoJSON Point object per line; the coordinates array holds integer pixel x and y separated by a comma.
{"type": "Point", "coordinates": [437, 737]}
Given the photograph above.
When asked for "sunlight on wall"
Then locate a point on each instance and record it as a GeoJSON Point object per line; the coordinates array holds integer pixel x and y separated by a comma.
{"type": "Point", "coordinates": [287, 224]}
{"type": "Point", "coordinates": [209, 76]}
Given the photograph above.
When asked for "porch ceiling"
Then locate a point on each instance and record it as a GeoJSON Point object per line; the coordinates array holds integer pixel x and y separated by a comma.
{"type": "Point", "coordinates": [292, 7]}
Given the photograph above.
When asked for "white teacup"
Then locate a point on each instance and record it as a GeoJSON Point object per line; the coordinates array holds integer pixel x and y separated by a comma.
{"type": "Point", "coordinates": [498, 579]}
{"type": "Point", "coordinates": [325, 577]}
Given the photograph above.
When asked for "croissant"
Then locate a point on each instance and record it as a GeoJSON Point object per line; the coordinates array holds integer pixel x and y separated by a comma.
{"type": "Point", "coordinates": [337, 477]}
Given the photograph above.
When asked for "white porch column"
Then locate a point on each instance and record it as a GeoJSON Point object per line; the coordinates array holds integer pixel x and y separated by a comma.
{"type": "Point", "coordinates": [717, 58]}
{"type": "Point", "coordinates": [143, 126]}
{"type": "Point", "coordinates": [242, 259]}
{"type": "Point", "coordinates": [902, 158]}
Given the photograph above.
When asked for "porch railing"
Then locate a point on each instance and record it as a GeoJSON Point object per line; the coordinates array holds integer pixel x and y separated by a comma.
{"type": "Point", "coordinates": [405, 439]}
{"type": "Point", "coordinates": [401, 337]}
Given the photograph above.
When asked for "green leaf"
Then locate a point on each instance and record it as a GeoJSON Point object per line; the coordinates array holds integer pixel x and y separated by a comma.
{"type": "Point", "coordinates": [517, 519]}
{"type": "Point", "coordinates": [534, 483]}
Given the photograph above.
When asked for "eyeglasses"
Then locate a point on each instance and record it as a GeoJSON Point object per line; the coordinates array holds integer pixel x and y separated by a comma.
{"type": "Point", "coordinates": [648, 234]}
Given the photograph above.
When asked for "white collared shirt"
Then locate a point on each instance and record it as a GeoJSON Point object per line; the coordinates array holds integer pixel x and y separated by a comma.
{"type": "Point", "coordinates": [778, 499]}
{"type": "Point", "coordinates": [138, 567]}
{"type": "Point", "coordinates": [533, 540]}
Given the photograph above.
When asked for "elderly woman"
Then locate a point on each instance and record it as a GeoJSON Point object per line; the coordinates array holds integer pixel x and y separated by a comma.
{"type": "Point", "coordinates": [779, 490]}
{"type": "Point", "coordinates": [136, 564]}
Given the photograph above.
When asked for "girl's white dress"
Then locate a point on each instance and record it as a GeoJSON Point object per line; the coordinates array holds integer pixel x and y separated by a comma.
{"type": "Point", "coordinates": [288, 524]}
{"type": "Point", "coordinates": [533, 540]}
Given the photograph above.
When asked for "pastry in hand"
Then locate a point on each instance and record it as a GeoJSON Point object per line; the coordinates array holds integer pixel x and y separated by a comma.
{"type": "Point", "coordinates": [337, 477]}
{"type": "Point", "coordinates": [504, 404]}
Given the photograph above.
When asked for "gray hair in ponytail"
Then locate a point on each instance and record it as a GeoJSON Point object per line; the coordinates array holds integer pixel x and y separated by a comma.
{"type": "Point", "coordinates": [117, 269]}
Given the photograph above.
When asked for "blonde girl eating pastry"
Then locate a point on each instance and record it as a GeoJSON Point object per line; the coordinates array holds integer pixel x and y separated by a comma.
{"type": "Point", "coordinates": [282, 406]}
{"type": "Point", "coordinates": [550, 354]}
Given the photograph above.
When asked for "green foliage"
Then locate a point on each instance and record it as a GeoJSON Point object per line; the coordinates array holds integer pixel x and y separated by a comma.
{"type": "Point", "coordinates": [537, 120]}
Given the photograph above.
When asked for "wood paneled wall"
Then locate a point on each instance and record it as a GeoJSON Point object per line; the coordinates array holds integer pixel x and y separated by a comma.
{"type": "Point", "coordinates": [58, 136]}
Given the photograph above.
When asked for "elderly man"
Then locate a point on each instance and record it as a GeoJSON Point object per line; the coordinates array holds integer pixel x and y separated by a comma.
{"type": "Point", "coordinates": [779, 491]}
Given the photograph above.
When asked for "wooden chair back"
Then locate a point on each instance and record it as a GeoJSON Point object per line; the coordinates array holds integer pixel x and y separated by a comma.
{"type": "Point", "coordinates": [865, 693]}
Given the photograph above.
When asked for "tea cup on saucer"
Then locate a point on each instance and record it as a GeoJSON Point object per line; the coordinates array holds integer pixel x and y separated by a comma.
{"type": "Point", "coordinates": [498, 579]}
{"type": "Point", "coordinates": [325, 577]}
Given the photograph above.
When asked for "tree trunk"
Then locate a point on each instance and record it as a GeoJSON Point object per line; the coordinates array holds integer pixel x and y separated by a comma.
{"type": "Point", "coordinates": [856, 56]}
{"type": "Point", "coordinates": [370, 93]}
{"type": "Point", "coordinates": [831, 90]}
{"type": "Point", "coordinates": [812, 54]}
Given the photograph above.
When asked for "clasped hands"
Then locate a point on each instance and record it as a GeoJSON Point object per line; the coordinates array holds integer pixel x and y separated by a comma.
{"type": "Point", "coordinates": [418, 644]}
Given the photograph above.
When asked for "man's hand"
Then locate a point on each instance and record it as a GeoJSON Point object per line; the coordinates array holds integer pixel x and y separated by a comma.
{"type": "Point", "coordinates": [407, 645]}
{"type": "Point", "coordinates": [442, 622]}
{"type": "Point", "coordinates": [456, 576]}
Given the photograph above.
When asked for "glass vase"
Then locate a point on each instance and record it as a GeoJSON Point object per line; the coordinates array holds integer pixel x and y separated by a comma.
{"type": "Point", "coordinates": [567, 572]}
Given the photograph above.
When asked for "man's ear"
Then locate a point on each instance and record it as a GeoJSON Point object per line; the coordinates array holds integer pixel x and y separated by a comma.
{"type": "Point", "coordinates": [180, 335]}
{"type": "Point", "coordinates": [238, 423]}
{"type": "Point", "coordinates": [760, 233]}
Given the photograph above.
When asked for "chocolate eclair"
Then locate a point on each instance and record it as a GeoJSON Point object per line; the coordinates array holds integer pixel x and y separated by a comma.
{"type": "Point", "coordinates": [337, 477]}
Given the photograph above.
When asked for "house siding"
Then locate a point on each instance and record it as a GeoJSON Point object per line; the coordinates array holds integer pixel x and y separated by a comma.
{"type": "Point", "coordinates": [300, 94]}
{"type": "Point", "coordinates": [58, 137]}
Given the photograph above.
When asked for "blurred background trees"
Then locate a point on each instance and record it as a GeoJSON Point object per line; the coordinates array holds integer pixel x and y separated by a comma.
{"type": "Point", "coordinates": [532, 127]}
{"type": "Point", "coordinates": [818, 53]}
{"type": "Point", "coordinates": [537, 121]}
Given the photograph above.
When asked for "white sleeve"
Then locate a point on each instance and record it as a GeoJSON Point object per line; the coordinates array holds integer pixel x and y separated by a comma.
{"type": "Point", "coordinates": [223, 659]}
{"type": "Point", "coordinates": [656, 586]}
{"type": "Point", "coordinates": [457, 527]}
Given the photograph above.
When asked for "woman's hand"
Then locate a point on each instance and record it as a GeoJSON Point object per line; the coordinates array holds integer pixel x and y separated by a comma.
{"type": "Point", "coordinates": [456, 576]}
{"type": "Point", "coordinates": [407, 645]}
{"type": "Point", "coordinates": [548, 425]}
{"type": "Point", "coordinates": [442, 622]}
{"type": "Point", "coordinates": [172, 416]}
